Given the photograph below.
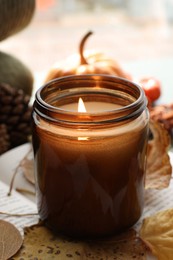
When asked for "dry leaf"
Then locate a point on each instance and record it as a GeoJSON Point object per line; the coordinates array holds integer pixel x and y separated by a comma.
{"type": "Point", "coordinates": [27, 167]}
{"type": "Point", "coordinates": [10, 240]}
{"type": "Point", "coordinates": [158, 170]}
{"type": "Point", "coordinates": [128, 248]}
{"type": "Point", "coordinates": [41, 243]}
{"type": "Point", "coordinates": [157, 232]}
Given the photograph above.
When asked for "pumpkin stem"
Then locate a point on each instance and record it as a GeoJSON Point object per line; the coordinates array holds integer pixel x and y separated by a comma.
{"type": "Point", "coordinates": [81, 48]}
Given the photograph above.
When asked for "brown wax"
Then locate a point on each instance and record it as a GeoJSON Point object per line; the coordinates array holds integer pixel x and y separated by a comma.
{"type": "Point", "coordinates": [90, 188]}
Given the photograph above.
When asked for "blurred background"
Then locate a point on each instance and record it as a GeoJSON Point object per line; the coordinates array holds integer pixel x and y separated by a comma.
{"type": "Point", "coordinates": [136, 33]}
{"type": "Point", "coordinates": [126, 30]}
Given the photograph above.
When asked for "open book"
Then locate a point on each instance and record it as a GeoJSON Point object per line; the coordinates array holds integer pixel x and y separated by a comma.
{"type": "Point", "coordinates": [17, 204]}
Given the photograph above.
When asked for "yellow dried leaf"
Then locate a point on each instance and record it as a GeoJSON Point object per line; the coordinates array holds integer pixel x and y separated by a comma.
{"type": "Point", "coordinates": [157, 232]}
{"type": "Point", "coordinates": [158, 170]}
{"type": "Point", "coordinates": [41, 243]}
{"type": "Point", "coordinates": [10, 240]}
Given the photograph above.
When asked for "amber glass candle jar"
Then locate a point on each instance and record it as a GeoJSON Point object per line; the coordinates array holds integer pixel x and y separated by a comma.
{"type": "Point", "coordinates": [90, 166]}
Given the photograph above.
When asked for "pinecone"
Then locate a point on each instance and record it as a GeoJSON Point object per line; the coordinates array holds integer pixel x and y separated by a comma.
{"type": "Point", "coordinates": [4, 139]}
{"type": "Point", "coordinates": [15, 114]}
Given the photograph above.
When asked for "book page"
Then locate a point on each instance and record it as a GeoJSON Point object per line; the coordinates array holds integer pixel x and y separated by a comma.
{"type": "Point", "coordinates": [17, 204]}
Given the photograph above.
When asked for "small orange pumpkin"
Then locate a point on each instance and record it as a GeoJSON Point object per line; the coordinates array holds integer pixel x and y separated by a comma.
{"type": "Point", "coordinates": [88, 62]}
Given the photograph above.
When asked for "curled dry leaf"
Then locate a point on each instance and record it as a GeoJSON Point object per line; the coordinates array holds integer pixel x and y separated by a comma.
{"type": "Point", "coordinates": [27, 167]}
{"type": "Point", "coordinates": [41, 243]}
{"type": "Point", "coordinates": [157, 232]}
{"type": "Point", "coordinates": [158, 170]}
{"type": "Point", "coordinates": [164, 114]}
{"type": "Point", "coordinates": [10, 240]}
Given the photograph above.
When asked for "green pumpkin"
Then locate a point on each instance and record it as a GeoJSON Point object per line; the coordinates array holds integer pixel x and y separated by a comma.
{"type": "Point", "coordinates": [15, 73]}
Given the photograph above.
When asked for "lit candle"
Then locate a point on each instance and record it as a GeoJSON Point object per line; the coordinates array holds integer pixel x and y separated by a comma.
{"type": "Point", "coordinates": [90, 165]}
{"type": "Point", "coordinates": [81, 106]}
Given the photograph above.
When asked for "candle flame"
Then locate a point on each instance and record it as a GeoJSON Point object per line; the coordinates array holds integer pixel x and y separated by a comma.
{"type": "Point", "coordinates": [81, 106]}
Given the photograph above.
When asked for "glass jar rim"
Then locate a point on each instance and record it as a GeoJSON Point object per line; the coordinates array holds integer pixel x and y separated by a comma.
{"type": "Point", "coordinates": [71, 86]}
